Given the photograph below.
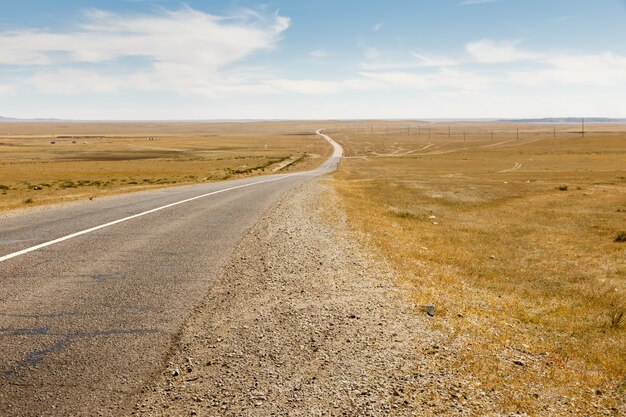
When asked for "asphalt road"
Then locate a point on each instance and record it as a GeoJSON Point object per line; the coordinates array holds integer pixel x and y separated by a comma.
{"type": "Point", "coordinates": [92, 294]}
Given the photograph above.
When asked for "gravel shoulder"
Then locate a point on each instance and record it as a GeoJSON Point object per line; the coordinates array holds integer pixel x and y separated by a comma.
{"type": "Point", "coordinates": [304, 321]}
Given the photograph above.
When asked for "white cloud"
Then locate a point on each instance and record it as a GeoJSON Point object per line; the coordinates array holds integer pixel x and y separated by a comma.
{"type": "Point", "coordinates": [73, 81]}
{"type": "Point", "coordinates": [378, 26]}
{"type": "Point", "coordinates": [493, 52]}
{"type": "Point", "coordinates": [306, 86]}
{"type": "Point", "coordinates": [541, 68]}
{"type": "Point", "coordinates": [460, 81]}
{"type": "Point", "coordinates": [182, 50]}
{"type": "Point", "coordinates": [319, 53]}
{"type": "Point", "coordinates": [184, 36]}
{"type": "Point", "coordinates": [605, 69]}
{"type": "Point", "coordinates": [434, 61]}
{"type": "Point", "coordinates": [399, 79]}
{"type": "Point", "coordinates": [375, 60]}
{"type": "Point", "coordinates": [194, 53]}
{"type": "Point", "coordinates": [445, 79]}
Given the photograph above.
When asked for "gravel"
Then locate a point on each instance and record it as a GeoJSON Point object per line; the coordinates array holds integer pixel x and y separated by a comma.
{"type": "Point", "coordinates": [304, 322]}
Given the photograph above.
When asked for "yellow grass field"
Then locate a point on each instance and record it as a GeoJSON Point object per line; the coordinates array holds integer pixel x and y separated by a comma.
{"type": "Point", "coordinates": [510, 231]}
{"type": "Point", "coordinates": [514, 239]}
{"type": "Point", "coordinates": [43, 163]}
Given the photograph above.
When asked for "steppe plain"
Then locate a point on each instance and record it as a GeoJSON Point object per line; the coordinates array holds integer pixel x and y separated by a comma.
{"type": "Point", "coordinates": [510, 232]}
{"type": "Point", "coordinates": [49, 162]}
{"type": "Point", "coordinates": [513, 232]}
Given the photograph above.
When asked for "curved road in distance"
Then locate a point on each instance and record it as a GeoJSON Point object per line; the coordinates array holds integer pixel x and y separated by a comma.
{"type": "Point", "coordinates": [93, 293]}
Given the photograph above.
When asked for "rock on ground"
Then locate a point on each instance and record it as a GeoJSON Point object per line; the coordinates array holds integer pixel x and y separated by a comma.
{"type": "Point", "coordinates": [303, 322]}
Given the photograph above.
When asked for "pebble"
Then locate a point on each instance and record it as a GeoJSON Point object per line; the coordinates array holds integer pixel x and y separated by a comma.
{"type": "Point", "coordinates": [322, 332]}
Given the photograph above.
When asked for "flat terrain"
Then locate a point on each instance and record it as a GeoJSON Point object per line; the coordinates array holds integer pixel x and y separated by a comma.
{"type": "Point", "coordinates": [514, 238]}
{"type": "Point", "coordinates": [86, 321]}
{"type": "Point", "coordinates": [42, 163]}
{"type": "Point", "coordinates": [302, 322]}
{"type": "Point", "coordinates": [509, 234]}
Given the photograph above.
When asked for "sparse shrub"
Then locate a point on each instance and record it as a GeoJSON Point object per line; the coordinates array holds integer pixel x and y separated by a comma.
{"type": "Point", "coordinates": [405, 214]}
{"type": "Point", "coordinates": [67, 184]}
{"type": "Point", "coordinates": [620, 237]}
{"type": "Point", "coordinates": [616, 317]}
{"type": "Point", "coordinates": [3, 187]}
{"type": "Point", "coordinates": [28, 201]}
{"type": "Point", "coordinates": [562, 187]}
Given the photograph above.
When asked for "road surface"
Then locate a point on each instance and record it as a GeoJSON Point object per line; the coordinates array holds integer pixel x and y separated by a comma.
{"type": "Point", "coordinates": [92, 294]}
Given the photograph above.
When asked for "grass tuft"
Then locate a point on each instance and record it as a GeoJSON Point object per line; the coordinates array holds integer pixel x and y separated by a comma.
{"type": "Point", "coordinates": [514, 267]}
{"type": "Point", "coordinates": [108, 157]}
{"type": "Point", "coordinates": [616, 318]}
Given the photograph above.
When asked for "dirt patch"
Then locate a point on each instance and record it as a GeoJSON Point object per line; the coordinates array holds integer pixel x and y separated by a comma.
{"type": "Point", "coordinates": [305, 322]}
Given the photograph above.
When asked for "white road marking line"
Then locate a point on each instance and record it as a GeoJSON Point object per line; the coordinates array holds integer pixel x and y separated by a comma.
{"type": "Point", "coordinates": [134, 216]}
{"type": "Point", "coordinates": [338, 151]}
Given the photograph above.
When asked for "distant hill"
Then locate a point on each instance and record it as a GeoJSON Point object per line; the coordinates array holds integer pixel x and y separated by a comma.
{"type": "Point", "coordinates": [565, 120]}
{"type": "Point", "coordinates": [14, 119]}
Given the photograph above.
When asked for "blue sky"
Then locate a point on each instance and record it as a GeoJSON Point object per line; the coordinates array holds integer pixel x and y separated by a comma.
{"type": "Point", "coordinates": [210, 59]}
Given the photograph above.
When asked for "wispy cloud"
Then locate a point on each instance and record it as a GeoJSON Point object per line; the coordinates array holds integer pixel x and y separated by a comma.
{"type": "Point", "coordinates": [460, 81]}
{"type": "Point", "coordinates": [540, 68]}
{"type": "Point", "coordinates": [604, 69]}
{"type": "Point", "coordinates": [378, 26]}
{"type": "Point", "coordinates": [319, 53]}
{"type": "Point", "coordinates": [453, 80]}
{"type": "Point", "coordinates": [434, 60]}
{"type": "Point", "coordinates": [183, 50]}
{"type": "Point", "coordinates": [194, 53]}
{"type": "Point", "coordinates": [489, 51]}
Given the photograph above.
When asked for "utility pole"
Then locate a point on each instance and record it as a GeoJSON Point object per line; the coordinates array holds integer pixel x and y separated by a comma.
{"type": "Point", "coordinates": [492, 135]}
{"type": "Point", "coordinates": [449, 130]}
{"type": "Point", "coordinates": [554, 134]}
{"type": "Point", "coordinates": [464, 136]}
{"type": "Point", "coordinates": [583, 127]}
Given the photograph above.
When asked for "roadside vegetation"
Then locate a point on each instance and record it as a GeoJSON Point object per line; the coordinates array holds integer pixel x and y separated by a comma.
{"type": "Point", "coordinates": [516, 240]}
{"type": "Point", "coordinates": [42, 163]}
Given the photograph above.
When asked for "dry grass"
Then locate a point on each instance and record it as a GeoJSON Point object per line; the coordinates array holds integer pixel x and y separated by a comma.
{"type": "Point", "coordinates": [92, 159]}
{"type": "Point", "coordinates": [514, 241]}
